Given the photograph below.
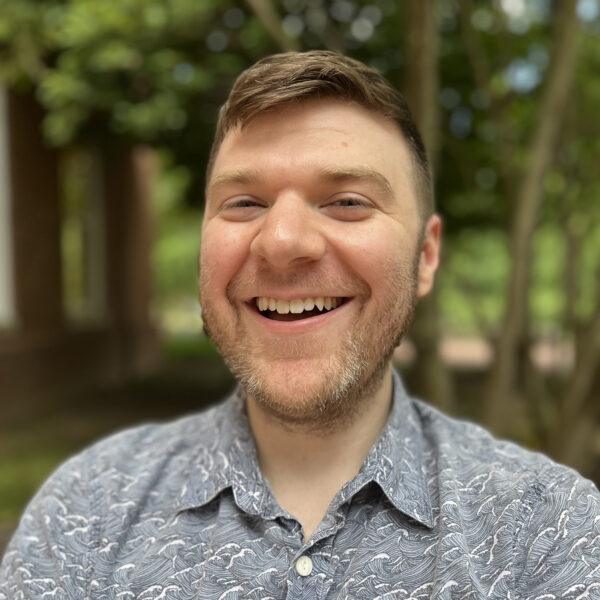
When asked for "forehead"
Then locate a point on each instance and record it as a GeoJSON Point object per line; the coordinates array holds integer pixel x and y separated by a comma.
{"type": "Point", "coordinates": [316, 136]}
{"type": "Point", "coordinates": [344, 121]}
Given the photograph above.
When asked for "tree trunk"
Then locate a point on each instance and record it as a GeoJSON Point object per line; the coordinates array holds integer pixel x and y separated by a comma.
{"type": "Point", "coordinates": [501, 382]}
{"type": "Point", "coordinates": [421, 80]}
{"type": "Point", "coordinates": [572, 444]}
{"type": "Point", "coordinates": [579, 407]}
{"type": "Point", "coordinates": [430, 379]}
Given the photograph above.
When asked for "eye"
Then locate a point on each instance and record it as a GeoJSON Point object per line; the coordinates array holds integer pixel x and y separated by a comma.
{"type": "Point", "coordinates": [244, 204]}
{"type": "Point", "coordinates": [240, 203]}
{"type": "Point", "coordinates": [241, 208]}
{"type": "Point", "coordinates": [349, 208]}
{"type": "Point", "coordinates": [347, 202]}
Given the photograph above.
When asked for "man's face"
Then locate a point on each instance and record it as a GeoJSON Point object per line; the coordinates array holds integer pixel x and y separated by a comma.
{"type": "Point", "coordinates": [309, 208]}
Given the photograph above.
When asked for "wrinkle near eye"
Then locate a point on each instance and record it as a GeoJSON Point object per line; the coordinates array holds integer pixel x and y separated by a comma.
{"type": "Point", "coordinates": [240, 208]}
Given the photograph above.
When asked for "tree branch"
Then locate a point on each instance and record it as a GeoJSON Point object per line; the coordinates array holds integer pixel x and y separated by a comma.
{"type": "Point", "coordinates": [482, 74]}
{"type": "Point", "coordinates": [266, 13]}
{"type": "Point", "coordinates": [421, 74]}
{"type": "Point", "coordinates": [528, 200]}
{"type": "Point", "coordinates": [587, 361]}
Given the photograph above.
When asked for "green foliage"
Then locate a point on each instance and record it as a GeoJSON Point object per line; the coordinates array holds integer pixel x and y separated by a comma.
{"type": "Point", "coordinates": [177, 234]}
{"type": "Point", "coordinates": [471, 282]}
{"type": "Point", "coordinates": [138, 70]}
{"type": "Point", "coordinates": [177, 348]}
{"type": "Point", "coordinates": [156, 72]}
{"type": "Point", "coordinates": [174, 258]}
{"type": "Point", "coordinates": [547, 303]}
{"type": "Point", "coordinates": [19, 478]}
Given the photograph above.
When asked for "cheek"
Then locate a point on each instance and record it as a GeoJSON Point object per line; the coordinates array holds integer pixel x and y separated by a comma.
{"type": "Point", "coordinates": [223, 251]}
{"type": "Point", "coordinates": [376, 255]}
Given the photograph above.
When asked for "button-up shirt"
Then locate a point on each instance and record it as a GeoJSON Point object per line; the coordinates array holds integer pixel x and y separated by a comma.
{"type": "Point", "coordinates": [439, 509]}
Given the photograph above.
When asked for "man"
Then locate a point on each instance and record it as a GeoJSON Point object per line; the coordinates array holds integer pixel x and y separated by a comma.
{"type": "Point", "coordinates": [320, 477]}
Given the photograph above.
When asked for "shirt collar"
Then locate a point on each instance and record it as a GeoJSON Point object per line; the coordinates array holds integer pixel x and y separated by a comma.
{"type": "Point", "coordinates": [395, 462]}
{"type": "Point", "coordinates": [228, 460]}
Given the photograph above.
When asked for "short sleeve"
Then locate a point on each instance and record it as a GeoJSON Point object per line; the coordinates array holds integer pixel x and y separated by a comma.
{"type": "Point", "coordinates": [559, 545]}
{"type": "Point", "coordinates": [49, 554]}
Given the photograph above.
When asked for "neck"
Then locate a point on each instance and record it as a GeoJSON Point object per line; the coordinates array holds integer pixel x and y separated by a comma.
{"type": "Point", "coordinates": [305, 467]}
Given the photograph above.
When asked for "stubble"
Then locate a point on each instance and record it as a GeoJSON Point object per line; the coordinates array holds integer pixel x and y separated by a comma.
{"type": "Point", "coordinates": [350, 376]}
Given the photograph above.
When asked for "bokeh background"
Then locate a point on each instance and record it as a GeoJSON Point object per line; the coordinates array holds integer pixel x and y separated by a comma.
{"type": "Point", "coordinates": [107, 110]}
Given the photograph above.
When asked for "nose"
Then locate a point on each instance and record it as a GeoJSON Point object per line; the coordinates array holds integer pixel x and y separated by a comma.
{"type": "Point", "coordinates": [289, 234]}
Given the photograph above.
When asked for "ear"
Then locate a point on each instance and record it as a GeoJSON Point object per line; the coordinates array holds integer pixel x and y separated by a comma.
{"type": "Point", "coordinates": [430, 255]}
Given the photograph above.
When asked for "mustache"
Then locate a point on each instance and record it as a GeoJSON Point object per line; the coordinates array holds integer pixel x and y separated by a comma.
{"type": "Point", "coordinates": [307, 276]}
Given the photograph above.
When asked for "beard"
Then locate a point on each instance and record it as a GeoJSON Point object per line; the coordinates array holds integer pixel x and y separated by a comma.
{"type": "Point", "coordinates": [349, 376]}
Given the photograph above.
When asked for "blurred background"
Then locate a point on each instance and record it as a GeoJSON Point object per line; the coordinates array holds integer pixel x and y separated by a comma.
{"type": "Point", "coordinates": [107, 111]}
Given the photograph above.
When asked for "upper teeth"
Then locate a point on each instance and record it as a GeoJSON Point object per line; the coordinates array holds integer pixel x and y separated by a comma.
{"type": "Point", "coordinates": [283, 307]}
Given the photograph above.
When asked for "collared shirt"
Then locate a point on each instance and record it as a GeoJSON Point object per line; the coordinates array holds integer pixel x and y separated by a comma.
{"type": "Point", "coordinates": [439, 509]}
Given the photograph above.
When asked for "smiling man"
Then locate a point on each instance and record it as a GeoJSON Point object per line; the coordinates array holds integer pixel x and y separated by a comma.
{"type": "Point", "coordinates": [314, 253]}
{"type": "Point", "coordinates": [320, 477]}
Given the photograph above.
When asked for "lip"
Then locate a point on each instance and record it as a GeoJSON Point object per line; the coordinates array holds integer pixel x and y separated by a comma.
{"type": "Point", "coordinates": [302, 325]}
{"type": "Point", "coordinates": [288, 297]}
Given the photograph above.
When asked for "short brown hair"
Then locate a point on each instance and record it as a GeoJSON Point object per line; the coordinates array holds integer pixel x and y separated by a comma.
{"type": "Point", "coordinates": [291, 77]}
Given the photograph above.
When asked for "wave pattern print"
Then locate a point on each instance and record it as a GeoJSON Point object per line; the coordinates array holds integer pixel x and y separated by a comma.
{"type": "Point", "coordinates": [439, 510]}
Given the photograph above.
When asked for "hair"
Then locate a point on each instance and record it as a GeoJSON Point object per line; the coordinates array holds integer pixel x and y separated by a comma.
{"type": "Point", "coordinates": [293, 77]}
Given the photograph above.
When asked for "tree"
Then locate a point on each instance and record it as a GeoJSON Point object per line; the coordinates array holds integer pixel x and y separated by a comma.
{"type": "Point", "coordinates": [506, 94]}
{"type": "Point", "coordinates": [525, 209]}
{"type": "Point", "coordinates": [430, 378]}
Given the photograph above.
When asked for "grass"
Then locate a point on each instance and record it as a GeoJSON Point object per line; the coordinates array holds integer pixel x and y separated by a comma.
{"type": "Point", "coordinates": [20, 477]}
{"type": "Point", "coordinates": [32, 446]}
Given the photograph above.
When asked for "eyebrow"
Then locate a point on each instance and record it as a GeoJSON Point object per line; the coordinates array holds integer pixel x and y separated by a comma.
{"type": "Point", "coordinates": [329, 174]}
{"type": "Point", "coordinates": [365, 174]}
{"type": "Point", "coordinates": [241, 176]}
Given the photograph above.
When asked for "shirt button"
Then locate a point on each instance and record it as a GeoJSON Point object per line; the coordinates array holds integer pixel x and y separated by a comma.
{"type": "Point", "coordinates": [304, 566]}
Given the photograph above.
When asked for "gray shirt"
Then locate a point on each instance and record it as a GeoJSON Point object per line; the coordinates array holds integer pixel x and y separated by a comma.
{"type": "Point", "coordinates": [439, 509]}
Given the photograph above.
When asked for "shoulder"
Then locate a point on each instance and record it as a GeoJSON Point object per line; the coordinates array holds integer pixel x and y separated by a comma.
{"type": "Point", "coordinates": [147, 458]}
{"type": "Point", "coordinates": [152, 442]}
{"type": "Point", "coordinates": [125, 470]}
{"type": "Point", "coordinates": [104, 491]}
{"type": "Point", "coordinates": [544, 516]}
{"type": "Point", "coordinates": [525, 488]}
{"type": "Point", "coordinates": [120, 483]}
{"type": "Point", "coordinates": [469, 451]}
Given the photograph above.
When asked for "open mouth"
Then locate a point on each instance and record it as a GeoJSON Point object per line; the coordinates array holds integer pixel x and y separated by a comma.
{"type": "Point", "coordinates": [297, 309]}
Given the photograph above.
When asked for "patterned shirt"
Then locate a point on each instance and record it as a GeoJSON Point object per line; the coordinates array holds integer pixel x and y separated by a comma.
{"type": "Point", "coordinates": [439, 509]}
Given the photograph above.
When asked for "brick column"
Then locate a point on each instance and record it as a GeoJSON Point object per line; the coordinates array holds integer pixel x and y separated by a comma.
{"type": "Point", "coordinates": [35, 219]}
{"type": "Point", "coordinates": [127, 182]}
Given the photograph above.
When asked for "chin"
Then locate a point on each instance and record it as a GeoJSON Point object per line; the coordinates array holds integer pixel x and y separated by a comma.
{"type": "Point", "coordinates": [292, 385]}
{"type": "Point", "coordinates": [316, 395]}
{"type": "Point", "coordinates": [319, 382]}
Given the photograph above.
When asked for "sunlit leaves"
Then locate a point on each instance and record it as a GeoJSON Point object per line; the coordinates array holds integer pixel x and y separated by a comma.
{"type": "Point", "coordinates": [62, 124]}
{"type": "Point", "coordinates": [115, 55]}
{"type": "Point", "coordinates": [146, 119]}
{"type": "Point", "coordinates": [157, 71]}
{"type": "Point", "coordinates": [59, 88]}
{"type": "Point", "coordinates": [136, 61]}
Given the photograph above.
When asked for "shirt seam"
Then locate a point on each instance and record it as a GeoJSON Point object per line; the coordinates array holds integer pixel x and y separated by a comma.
{"type": "Point", "coordinates": [528, 504]}
{"type": "Point", "coordinates": [96, 497]}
